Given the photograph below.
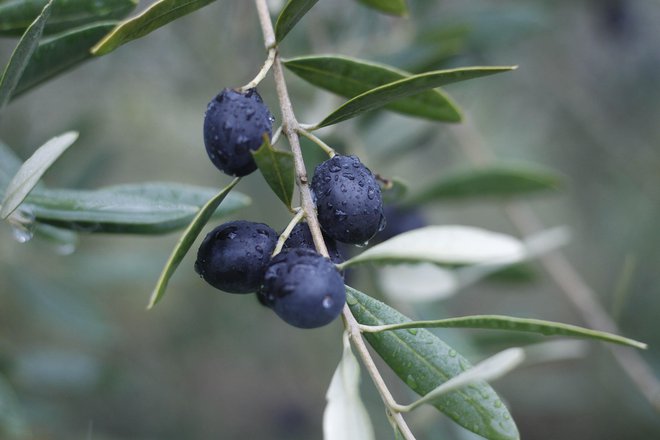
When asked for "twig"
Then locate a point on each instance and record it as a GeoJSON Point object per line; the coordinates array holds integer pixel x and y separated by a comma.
{"type": "Point", "coordinates": [284, 236]}
{"type": "Point", "coordinates": [325, 147]}
{"type": "Point", "coordinates": [566, 277]}
{"type": "Point", "coordinates": [290, 127]}
{"type": "Point", "coordinates": [263, 72]}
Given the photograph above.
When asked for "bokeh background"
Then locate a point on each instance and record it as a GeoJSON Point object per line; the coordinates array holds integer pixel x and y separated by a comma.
{"type": "Point", "coordinates": [80, 357]}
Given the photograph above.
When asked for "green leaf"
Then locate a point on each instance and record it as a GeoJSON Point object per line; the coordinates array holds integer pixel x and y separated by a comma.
{"type": "Point", "coordinates": [21, 55]}
{"type": "Point", "coordinates": [510, 323]}
{"type": "Point", "coordinates": [501, 180]}
{"type": "Point", "coordinates": [423, 361]}
{"type": "Point", "coordinates": [60, 53]}
{"type": "Point", "coordinates": [278, 169]}
{"type": "Point", "coordinates": [385, 94]}
{"type": "Point", "coordinates": [291, 14]}
{"type": "Point", "coordinates": [186, 241]}
{"type": "Point", "coordinates": [350, 77]}
{"type": "Point", "coordinates": [16, 15]}
{"type": "Point", "coordinates": [488, 370]}
{"type": "Point", "coordinates": [444, 245]}
{"type": "Point", "coordinates": [393, 7]}
{"type": "Point", "coordinates": [32, 170]}
{"type": "Point", "coordinates": [157, 15]}
{"type": "Point", "coordinates": [151, 208]}
{"type": "Point", "coordinates": [345, 417]}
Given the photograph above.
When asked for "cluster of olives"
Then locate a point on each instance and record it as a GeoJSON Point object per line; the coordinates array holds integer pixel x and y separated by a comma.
{"type": "Point", "coordinates": [304, 288]}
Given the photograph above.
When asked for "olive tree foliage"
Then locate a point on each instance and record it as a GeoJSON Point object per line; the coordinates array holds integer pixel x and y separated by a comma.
{"type": "Point", "coordinates": [54, 36]}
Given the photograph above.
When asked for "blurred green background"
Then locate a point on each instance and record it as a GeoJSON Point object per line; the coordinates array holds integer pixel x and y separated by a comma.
{"type": "Point", "coordinates": [80, 357]}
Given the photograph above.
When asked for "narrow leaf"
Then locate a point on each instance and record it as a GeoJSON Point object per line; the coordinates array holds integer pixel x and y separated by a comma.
{"type": "Point", "coordinates": [151, 208]}
{"type": "Point", "coordinates": [510, 323]}
{"type": "Point", "coordinates": [445, 245]}
{"type": "Point", "coordinates": [392, 7]}
{"type": "Point", "coordinates": [21, 55]}
{"type": "Point", "coordinates": [278, 169]}
{"type": "Point", "coordinates": [350, 77]}
{"type": "Point", "coordinates": [16, 15]}
{"type": "Point", "coordinates": [291, 14]}
{"type": "Point", "coordinates": [157, 15]}
{"type": "Point", "coordinates": [58, 54]}
{"type": "Point", "coordinates": [186, 241]}
{"type": "Point", "coordinates": [32, 170]}
{"type": "Point", "coordinates": [423, 361]}
{"type": "Point", "coordinates": [490, 369]}
{"type": "Point", "coordinates": [383, 95]}
{"type": "Point", "coordinates": [345, 417]}
{"type": "Point", "coordinates": [502, 180]}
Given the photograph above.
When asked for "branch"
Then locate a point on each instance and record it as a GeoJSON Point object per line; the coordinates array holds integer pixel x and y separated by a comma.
{"type": "Point", "coordinates": [290, 128]}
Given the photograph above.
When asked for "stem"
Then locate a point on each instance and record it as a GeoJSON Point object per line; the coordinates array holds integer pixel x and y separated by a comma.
{"type": "Point", "coordinates": [325, 147]}
{"type": "Point", "coordinates": [263, 72]}
{"type": "Point", "coordinates": [284, 236]}
{"type": "Point", "coordinates": [290, 127]}
{"type": "Point", "coordinates": [566, 277]}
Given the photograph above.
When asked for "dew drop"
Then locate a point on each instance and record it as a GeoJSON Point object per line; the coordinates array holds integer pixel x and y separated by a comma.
{"type": "Point", "coordinates": [259, 249]}
{"type": "Point", "coordinates": [452, 353]}
{"type": "Point", "coordinates": [351, 300]}
{"type": "Point", "coordinates": [249, 112]}
{"type": "Point", "coordinates": [343, 188]}
{"type": "Point", "coordinates": [327, 178]}
{"type": "Point", "coordinates": [21, 234]}
{"type": "Point", "coordinates": [340, 215]}
{"type": "Point", "coordinates": [335, 168]}
{"type": "Point", "coordinates": [327, 302]}
{"type": "Point", "coordinates": [371, 193]}
{"type": "Point", "coordinates": [412, 331]}
{"type": "Point", "coordinates": [382, 224]}
{"type": "Point", "coordinates": [65, 249]}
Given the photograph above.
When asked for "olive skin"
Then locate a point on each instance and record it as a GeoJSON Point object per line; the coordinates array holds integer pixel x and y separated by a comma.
{"type": "Point", "coordinates": [303, 288]}
{"type": "Point", "coordinates": [234, 125]}
{"type": "Point", "coordinates": [233, 256]}
{"type": "Point", "coordinates": [348, 200]}
{"type": "Point", "coordinates": [301, 237]}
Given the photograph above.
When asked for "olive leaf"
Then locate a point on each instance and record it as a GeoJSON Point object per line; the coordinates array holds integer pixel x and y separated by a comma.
{"type": "Point", "coordinates": [345, 417]}
{"type": "Point", "coordinates": [57, 54]}
{"type": "Point", "coordinates": [278, 170]}
{"type": "Point", "coordinates": [22, 54]}
{"type": "Point", "coordinates": [499, 180]}
{"type": "Point", "coordinates": [448, 244]}
{"type": "Point", "coordinates": [291, 14]}
{"type": "Point", "coordinates": [511, 323]}
{"type": "Point", "coordinates": [31, 171]}
{"type": "Point", "coordinates": [404, 88]}
{"type": "Point", "coordinates": [423, 361]}
{"type": "Point", "coordinates": [16, 15]}
{"type": "Point", "coordinates": [350, 77]}
{"type": "Point", "coordinates": [147, 208]}
{"type": "Point", "coordinates": [186, 241]}
{"type": "Point", "coordinates": [155, 16]}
